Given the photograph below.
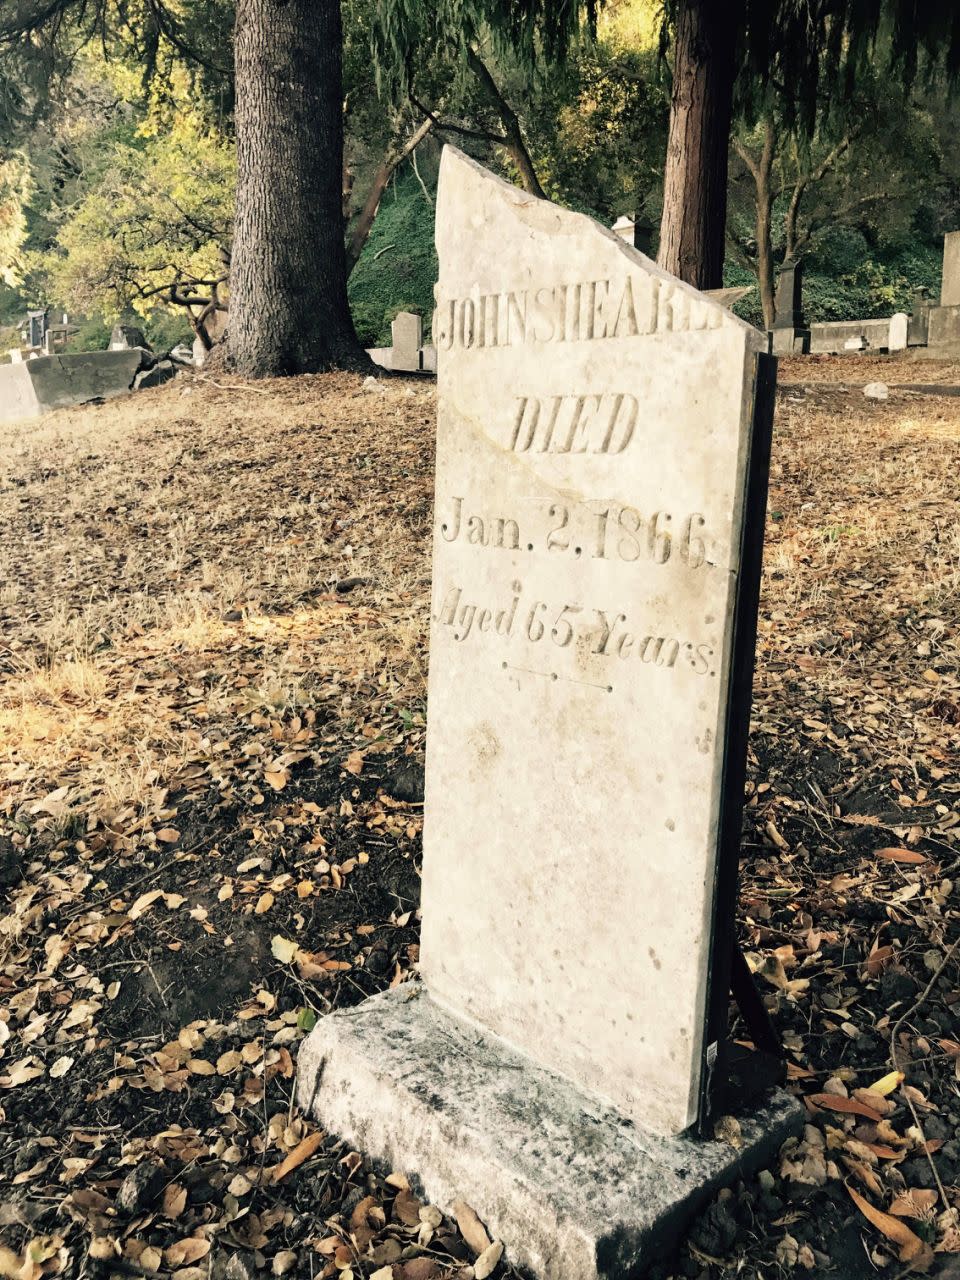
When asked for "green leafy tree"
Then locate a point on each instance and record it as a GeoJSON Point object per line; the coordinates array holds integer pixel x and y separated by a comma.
{"type": "Point", "coordinates": [471, 40]}
{"type": "Point", "coordinates": [155, 230]}
{"type": "Point", "coordinates": [813, 53]}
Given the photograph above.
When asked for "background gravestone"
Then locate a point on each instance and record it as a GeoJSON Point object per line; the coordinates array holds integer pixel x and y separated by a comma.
{"type": "Point", "coordinates": [127, 336]}
{"type": "Point", "coordinates": [789, 326]}
{"type": "Point", "coordinates": [406, 332]}
{"type": "Point", "coordinates": [601, 466]}
{"type": "Point", "coordinates": [899, 325]}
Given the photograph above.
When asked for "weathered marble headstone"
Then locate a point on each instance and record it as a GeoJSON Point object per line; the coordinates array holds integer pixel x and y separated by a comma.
{"type": "Point", "coordinates": [406, 332]}
{"type": "Point", "coordinates": [623, 227]}
{"type": "Point", "coordinates": [899, 323]}
{"type": "Point", "coordinates": [950, 282]}
{"type": "Point", "coordinates": [600, 481]}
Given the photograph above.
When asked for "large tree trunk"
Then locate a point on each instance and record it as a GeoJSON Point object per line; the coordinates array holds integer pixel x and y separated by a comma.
{"type": "Point", "coordinates": [694, 220]}
{"type": "Point", "coordinates": [765, 272]}
{"type": "Point", "coordinates": [288, 284]}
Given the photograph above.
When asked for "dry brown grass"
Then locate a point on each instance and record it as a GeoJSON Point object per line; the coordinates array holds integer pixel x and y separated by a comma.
{"type": "Point", "coordinates": [138, 530]}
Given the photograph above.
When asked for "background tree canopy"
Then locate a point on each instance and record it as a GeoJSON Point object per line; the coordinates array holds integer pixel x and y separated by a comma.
{"type": "Point", "coordinates": [118, 169]}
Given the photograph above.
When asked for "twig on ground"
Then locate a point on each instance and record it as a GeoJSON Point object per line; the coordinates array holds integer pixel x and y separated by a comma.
{"type": "Point", "coordinates": [909, 1013]}
{"type": "Point", "coordinates": [148, 875]}
{"type": "Point", "coordinates": [233, 386]}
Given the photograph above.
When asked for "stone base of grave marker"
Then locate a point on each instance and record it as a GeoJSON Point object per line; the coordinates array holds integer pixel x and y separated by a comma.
{"type": "Point", "coordinates": [790, 342]}
{"type": "Point", "coordinates": [572, 1188]}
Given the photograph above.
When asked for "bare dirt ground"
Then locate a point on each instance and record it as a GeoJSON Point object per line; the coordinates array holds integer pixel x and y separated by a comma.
{"type": "Point", "coordinates": [213, 617]}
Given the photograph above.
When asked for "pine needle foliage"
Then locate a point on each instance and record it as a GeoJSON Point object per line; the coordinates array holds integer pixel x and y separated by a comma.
{"type": "Point", "coordinates": [812, 54]}
{"type": "Point", "coordinates": [403, 32]}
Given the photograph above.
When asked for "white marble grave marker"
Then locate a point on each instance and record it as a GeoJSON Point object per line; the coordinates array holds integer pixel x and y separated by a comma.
{"type": "Point", "coordinates": [594, 425]}
{"type": "Point", "coordinates": [406, 331]}
{"type": "Point", "coordinates": [899, 324]}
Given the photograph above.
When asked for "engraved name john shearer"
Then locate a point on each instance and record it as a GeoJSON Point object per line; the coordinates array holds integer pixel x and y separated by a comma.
{"type": "Point", "coordinates": [581, 311]}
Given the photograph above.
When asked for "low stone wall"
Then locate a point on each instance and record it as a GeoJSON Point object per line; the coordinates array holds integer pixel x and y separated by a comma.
{"type": "Point", "coordinates": [383, 356]}
{"type": "Point", "coordinates": [33, 387]}
{"type": "Point", "coordinates": [832, 337]}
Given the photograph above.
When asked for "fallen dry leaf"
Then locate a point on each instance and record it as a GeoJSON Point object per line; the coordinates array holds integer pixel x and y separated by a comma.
{"type": "Point", "coordinates": [902, 855]}
{"type": "Point", "coordinates": [283, 949]}
{"type": "Point", "coordinates": [471, 1228]}
{"type": "Point", "coordinates": [915, 1203]}
{"type": "Point", "coordinates": [174, 1200]}
{"type": "Point", "coordinates": [886, 1084]}
{"type": "Point", "coordinates": [301, 1152]}
{"type": "Point", "coordinates": [911, 1247]}
{"type": "Point", "coordinates": [849, 1106]}
{"type": "Point", "coordinates": [186, 1252]}
{"type": "Point", "coordinates": [486, 1264]}
{"type": "Point", "coordinates": [406, 1209]}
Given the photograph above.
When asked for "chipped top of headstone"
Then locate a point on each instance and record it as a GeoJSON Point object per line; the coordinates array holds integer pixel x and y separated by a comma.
{"type": "Point", "coordinates": [667, 304]}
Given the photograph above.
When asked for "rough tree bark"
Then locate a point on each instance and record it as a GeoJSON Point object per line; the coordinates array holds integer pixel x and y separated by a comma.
{"type": "Point", "coordinates": [288, 285]}
{"type": "Point", "coordinates": [693, 226]}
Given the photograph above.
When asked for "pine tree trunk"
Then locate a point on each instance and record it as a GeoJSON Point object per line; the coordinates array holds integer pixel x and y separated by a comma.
{"type": "Point", "coordinates": [693, 227]}
{"type": "Point", "coordinates": [288, 283]}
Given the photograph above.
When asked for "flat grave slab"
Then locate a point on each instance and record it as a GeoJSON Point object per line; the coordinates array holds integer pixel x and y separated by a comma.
{"type": "Point", "coordinates": [34, 387]}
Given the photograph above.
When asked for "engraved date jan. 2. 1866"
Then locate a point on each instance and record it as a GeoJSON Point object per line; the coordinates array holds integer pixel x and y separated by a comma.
{"type": "Point", "coordinates": [602, 530]}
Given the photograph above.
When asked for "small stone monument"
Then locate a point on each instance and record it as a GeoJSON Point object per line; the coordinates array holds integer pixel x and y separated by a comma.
{"type": "Point", "coordinates": [899, 324]}
{"type": "Point", "coordinates": [602, 448]}
{"type": "Point", "coordinates": [623, 227]}
{"type": "Point", "coordinates": [406, 332]}
{"type": "Point", "coordinates": [36, 328]}
{"type": "Point", "coordinates": [790, 333]}
{"type": "Point", "coordinates": [635, 231]}
{"type": "Point", "coordinates": [127, 336]}
{"type": "Point", "coordinates": [919, 327]}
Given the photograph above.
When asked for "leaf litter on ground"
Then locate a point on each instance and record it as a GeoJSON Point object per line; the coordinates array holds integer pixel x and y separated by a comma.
{"type": "Point", "coordinates": [210, 822]}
